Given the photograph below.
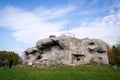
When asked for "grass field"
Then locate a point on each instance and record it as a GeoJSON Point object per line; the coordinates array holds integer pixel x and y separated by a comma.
{"type": "Point", "coordinates": [86, 72]}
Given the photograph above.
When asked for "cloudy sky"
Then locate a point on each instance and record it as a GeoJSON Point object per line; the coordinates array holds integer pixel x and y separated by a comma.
{"type": "Point", "coordinates": [23, 22]}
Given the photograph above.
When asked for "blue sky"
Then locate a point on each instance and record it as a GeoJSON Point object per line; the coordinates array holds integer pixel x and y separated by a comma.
{"type": "Point", "coordinates": [23, 22]}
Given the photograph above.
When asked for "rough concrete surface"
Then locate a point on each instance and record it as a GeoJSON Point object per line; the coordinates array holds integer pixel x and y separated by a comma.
{"type": "Point", "coordinates": [66, 50]}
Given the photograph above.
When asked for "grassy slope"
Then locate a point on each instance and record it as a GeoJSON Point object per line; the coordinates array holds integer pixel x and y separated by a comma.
{"type": "Point", "coordinates": [69, 73]}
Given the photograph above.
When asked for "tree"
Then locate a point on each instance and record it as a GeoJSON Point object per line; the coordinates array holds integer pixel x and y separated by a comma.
{"type": "Point", "coordinates": [114, 54]}
{"type": "Point", "coordinates": [110, 55]}
{"type": "Point", "coordinates": [7, 56]}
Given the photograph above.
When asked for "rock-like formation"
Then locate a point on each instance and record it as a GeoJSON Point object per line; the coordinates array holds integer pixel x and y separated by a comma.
{"type": "Point", "coordinates": [66, 50]}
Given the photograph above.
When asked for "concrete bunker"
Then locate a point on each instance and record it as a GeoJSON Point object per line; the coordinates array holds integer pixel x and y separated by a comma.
{"type": "Point", "coordinates": [67, 50]}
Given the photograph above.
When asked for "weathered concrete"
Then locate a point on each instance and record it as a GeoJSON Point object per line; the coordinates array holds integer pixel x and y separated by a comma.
{"type": "Point", "coordinates": [66, 50]}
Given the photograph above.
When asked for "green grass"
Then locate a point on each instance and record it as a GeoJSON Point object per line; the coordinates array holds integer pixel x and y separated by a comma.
{"type": "Point", "coordinates": [86, 72]}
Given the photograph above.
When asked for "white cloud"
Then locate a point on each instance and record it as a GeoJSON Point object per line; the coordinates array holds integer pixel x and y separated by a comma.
{"type": "Point", "coordinates": [53, 13]}
{"type": "Point", "coordinates": [106, 28]}
{"type": "Point", "coordinates": [31, 26]}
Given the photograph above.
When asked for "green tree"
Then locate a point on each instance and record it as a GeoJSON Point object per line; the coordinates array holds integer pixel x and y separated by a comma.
{"type": "Point", "coordinates": [7, 56]}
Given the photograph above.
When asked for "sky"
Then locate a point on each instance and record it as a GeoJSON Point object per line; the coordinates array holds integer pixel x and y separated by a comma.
{"type": "Point", "coordinates": [24, 22]}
